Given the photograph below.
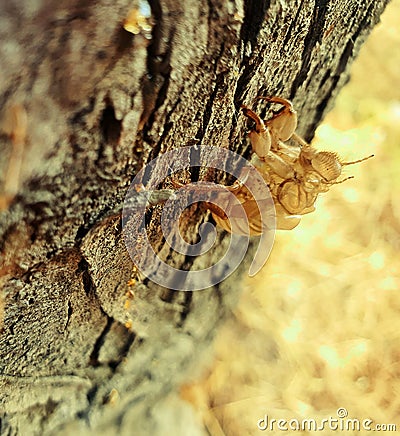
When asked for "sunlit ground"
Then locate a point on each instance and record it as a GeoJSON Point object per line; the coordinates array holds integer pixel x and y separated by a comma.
{"type": "Point", "coordinates": [319, 328]}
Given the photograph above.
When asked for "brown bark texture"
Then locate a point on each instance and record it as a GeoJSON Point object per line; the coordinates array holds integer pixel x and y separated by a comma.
{"type": "Point", "coordinates": [84, 105]}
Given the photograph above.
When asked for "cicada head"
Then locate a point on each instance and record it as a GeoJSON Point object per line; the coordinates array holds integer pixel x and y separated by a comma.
{"type": "Point", "coordinates": [327, 164]}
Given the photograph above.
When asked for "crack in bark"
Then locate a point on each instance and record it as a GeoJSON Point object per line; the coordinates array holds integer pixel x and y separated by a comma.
{"type": "Point", "coordinates": [69, 314]}
{"type": "Point", "coordinates": [185, 308]}
{"type": "Point", "coordinates": [90, 289]}
{"type": "Point", "coordinates": [255, 12]}
{"type": "Point", "coordinates": [219, 80]}
{"type": "Point", "coordinates": [293, 25]}
{"type": "Point", "coordinates": [254, 16]}
{"type": "Point", "coordinates": [84, 414]}
{"type": "Point", "coordinates": [343, 64]}
{"type": "Point", "coordinates": [94, 356]}
{"type": "Point", "coordinates": [314, 36]}
{"type": "Point", "coordinates": [110, 128]}
{"type": "Point", "coordinates": [87, 281]}
{"type": "Point", "coordinates": [158, 67]}
{"type": "Point", "coordinates": [124, 351]}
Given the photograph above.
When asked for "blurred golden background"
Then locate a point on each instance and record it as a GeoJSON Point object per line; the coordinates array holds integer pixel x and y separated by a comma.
{"type": "Point", "coordinates": [319, 327]}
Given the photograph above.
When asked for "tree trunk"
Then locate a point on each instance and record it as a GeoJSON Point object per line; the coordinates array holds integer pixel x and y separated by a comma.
{"type": "Point", "coordinates": [88, 97]}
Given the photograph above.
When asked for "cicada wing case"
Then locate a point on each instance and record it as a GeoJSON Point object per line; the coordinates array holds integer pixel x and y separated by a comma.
{"type": "Point", "coordinates": [292, 196]}
{"type": "Point", "coordinates": [283, 124]}
{"type": "Point", "coordinates": [261, 142]}
{"type": "Point", "coordinates": [285, 220]}
{"type": "Point", "coordinates": [253, 224]}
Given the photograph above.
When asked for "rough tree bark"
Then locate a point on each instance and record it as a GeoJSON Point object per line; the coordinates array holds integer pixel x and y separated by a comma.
{"type": "Point", "coordinates": [100, 102]}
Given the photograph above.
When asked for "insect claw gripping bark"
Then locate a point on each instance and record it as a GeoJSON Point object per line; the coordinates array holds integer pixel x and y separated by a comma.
{"type": "Point", "coordinates": [284, 123]}
{"type": "Point", "coordinates": [260, 136]}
